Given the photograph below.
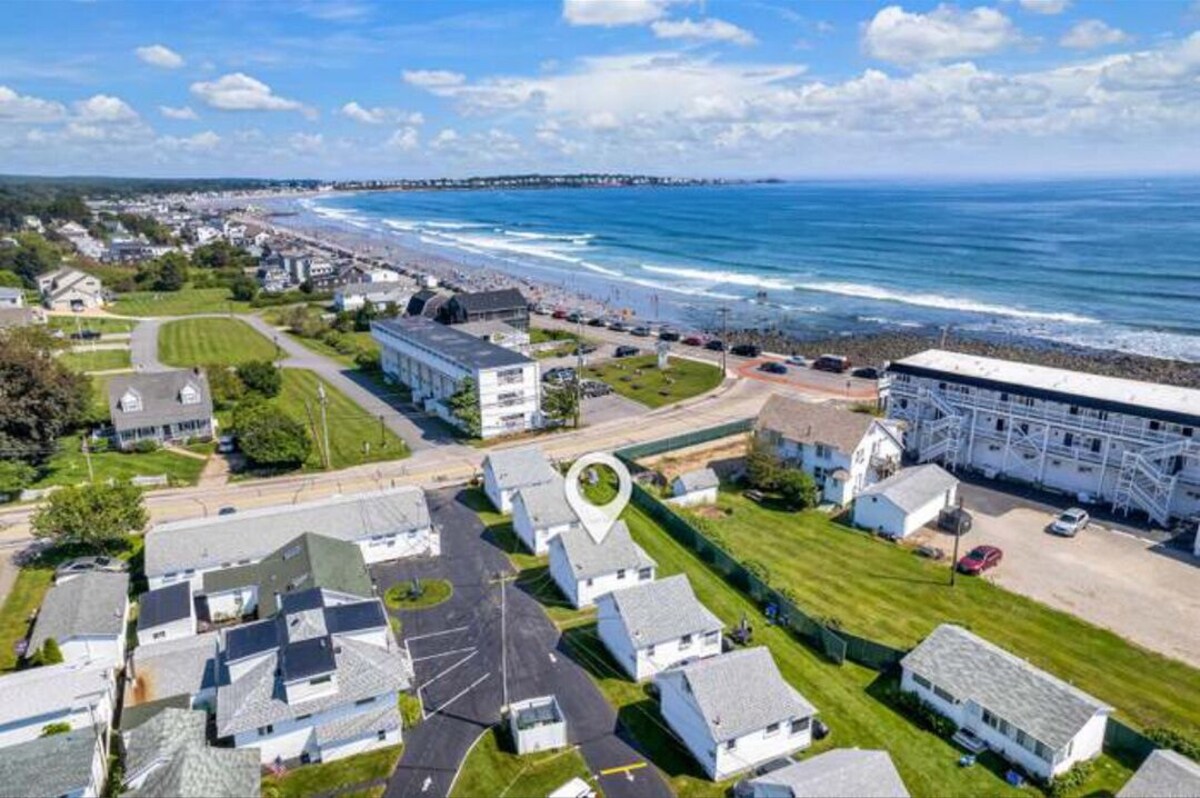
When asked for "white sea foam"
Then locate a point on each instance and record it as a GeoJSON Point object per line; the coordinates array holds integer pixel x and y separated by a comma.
{"type": "Point", "coordinates": [721, 277]}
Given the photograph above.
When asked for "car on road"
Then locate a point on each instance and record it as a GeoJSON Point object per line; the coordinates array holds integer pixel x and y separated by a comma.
{"type": "Point", "coordinates": [85, 335]}
{"type": "Point", "coordinates": [867, 373]}
{"type": "Point", "coordinates": [585, 349]}
{"type": "Point", "coordinates": [980, 559]}
{"type": "Point", "coordinates": [541, 310]}
{"type": "Point", "coordinates": [559, 314]}
{"type": "Point", "coordinates": [560, 374]}
{"type": "Point", "coordinates": [641, 331]}
{"type": "Point", "coordinates": [598, 322]}
{"type": "Point", "coordinates": [693, 340]}
{"type": "Point", "coordinates": [575, 317]}
{"type": "Point", "coordinates": [84, 565]}
{"type": "Point", "coordinates": [716, 345]}
{"type": "Point", "coordinates": [834, 363]}
{"type": "Point", "coordinates": [593, 388]}
{"type": "Point", "coordinates": [227, 510]}
{"type": "Point", "coordinates": [626, 351]}
{"type": "Point", "coordinates": [798, 360]}
{"type": "Point", "coordinates": [746, 350]}
{"type": "Point", "coordinates": [669, 335]}
{"type": "Point", "coordinates": [771, 367]}
{"type": "Point", "coordinates": [1069, 523]}
{"type": "Point", "coordinates": [619, 326]}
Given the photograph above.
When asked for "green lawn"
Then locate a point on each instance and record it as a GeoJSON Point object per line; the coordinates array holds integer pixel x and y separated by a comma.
{"type": "Point", "coordinates": [569, 342]}
{"type": "Point", "coordinates": [100, 360]}
{"type": "Point", "coordinates": [178, 303]}
{"type": "Point", "coordinates": [69, 466]}
{"type": "Point", "coordinates": [639, 378]}
{"type": "Point", "coordinates": [492, 770]}
{"type": "Point", "coordinates": [362, 339]}
{"type": "Point", "coordinates": [211, 341]}
{"type": "Point", "coordinates": [102, 324]}
{"type": "Point", "coordinates": [885, 592]}
{"type": "Point", "coordinates": [350, 427]}
{"type": "Point", "coordinates": [433, 592]}
{"type": "Point", "coordinates": [26, 596]}
{"type": "Point", "coordinates": [312, 780]}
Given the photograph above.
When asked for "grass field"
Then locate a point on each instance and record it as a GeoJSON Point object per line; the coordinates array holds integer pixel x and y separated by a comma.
{"type": "Point", "coordinates": [211, 341]}
{"type": "Point", "coordinates": [683, 379]}
{"type": "Point", "coordinates": [322, 779]}
{"type": "Point", "coordinates": [69, 466]}
{"type": "Point", "coordinates": [887, 593]}
{"type": "Point", "coordinates": [433, 592]}
{"type": "Point", "coordinates": [101, 324]}
{"type": "Point", "coordinates": [100, 360]}
{"type": "Point", "coordinates": [568, 342]}
{"type": "Point", "coordinates": [177, 303]}
{"type": "Point", "coordinates": [350, 427]}
{"type": "Point", "coordinates": [362, 339]}
{"type": "Point", "coordinates": [26, 596]}
{"type": "Point", "coordinates": [492, 770]}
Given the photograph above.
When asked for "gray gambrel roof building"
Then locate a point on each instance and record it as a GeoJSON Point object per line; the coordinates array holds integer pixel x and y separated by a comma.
{"type": "Point", "coordinates": [973, 669]}
{"type": "Point", "coordinates": [138, 401]}
{"type": "Point", "coordinates": [92, 604]}
{"type": "Point", "coordinates": [667, 609]}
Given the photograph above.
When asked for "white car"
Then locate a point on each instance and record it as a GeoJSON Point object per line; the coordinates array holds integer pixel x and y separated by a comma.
{"type": "Point", "coordinates": [797, 360]}
{"type": "Point", "coordinates": [1070, 523]}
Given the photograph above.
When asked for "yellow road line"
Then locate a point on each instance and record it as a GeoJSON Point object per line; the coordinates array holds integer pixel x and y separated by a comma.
{"type": "Point", "coordinates": [623, 769]}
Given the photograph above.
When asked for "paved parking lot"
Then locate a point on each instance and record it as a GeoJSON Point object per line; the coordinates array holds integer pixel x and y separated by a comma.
{"type": "Point", "coordinates": [1127, 583]}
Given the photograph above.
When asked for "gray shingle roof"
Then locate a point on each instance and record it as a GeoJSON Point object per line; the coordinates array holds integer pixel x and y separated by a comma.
{"type": "Point", "coordinates": [90, 604]}
{"type": "Point", "coordinates": [655, 612]}
{"type": "Point", "coordinates": [462, 348]}
{"type": "Point", "coordinates": [159, 738]}
{"type": "Point", "coordinates": [841, 773]}
{"type": "Point", "coordinates": [198, 771]}
{"type": "Point", "coordinates": [48, 766]}
{"type": "Point", "coordinates": [513, 469]}
{"type": "Point", "coordinates": [1164, 774]}
{"type": "Point", "coordinates": [159, 392]}
{"type": "Point", "coordinates": [546, 504]}
{"type": "Point", "coordinates": [209, 542]}
{"type": "Point", "coordinates": [740, 692]}
{"type": "Point", "coordinates": [51, 690]}
{"type": "Point", "coordinates": [589, 559]}
{"type": "Point", "coordinates": [911, 488]}
{"type": "Point", "coordinates": [490, 301]}
{"type": "Point", "coordinates": [811, 423]}
{"type": "Point", "coordinates": [700, 479]}
{"type": "Point", "coordinates": [386, 718]}
{"type": "Point", "coordinates": [174, 667]}
{"type": "Point", "coordinates": [970, 667]}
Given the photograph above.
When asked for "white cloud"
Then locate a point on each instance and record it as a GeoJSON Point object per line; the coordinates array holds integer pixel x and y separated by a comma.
{"type": "Point", "coordinates": [23, 108]}
{"type": "Point", "coordinates": [1047, 7]}
{"type": "Point", "coordinates": [710, 29]}
{"type": "Point", "coordinates": [104, 108]}
{"type": "Point", "coordinates": [1091, 34]}
{"type": "Point", "coordinates": [943, 34]}
{"type": "Point", "coordinates": [404, 139]}
{"type": "Point", "coordinates": [335, 10]}
{"type": "Point", "coordinates": [613, 13]}
{"type": "Point", "coordinates": [306, 143]}
{"type": "Point", "coordinates": [160, 56]}
{"type": "Point", "coordinates": [432, 78]}
{"type": "Point", "coordinates": [183, 112]}
{"type": "Point", "coordinates": [446, 137]}
{"type": "Point", "coordinates": [200, 142]}
{"type": "Point", "coordinates": [380, 115]}
{"type": "Point", "coordinates": [240, 92]}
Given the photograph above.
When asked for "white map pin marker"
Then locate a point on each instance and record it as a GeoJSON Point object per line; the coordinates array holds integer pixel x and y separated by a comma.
{"type": "Point", "coordinates": [598, 519]}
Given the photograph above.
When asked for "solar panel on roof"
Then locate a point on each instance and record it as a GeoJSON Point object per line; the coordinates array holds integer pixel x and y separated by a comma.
{"type": "Point", "coordinates": [253, 638]}
{"type": "Point", "coordinates": [307, 658]}
{"type": "Point", "coordinates": [164, 605]}
{"type": "Point", "coordinates": [352, 617]}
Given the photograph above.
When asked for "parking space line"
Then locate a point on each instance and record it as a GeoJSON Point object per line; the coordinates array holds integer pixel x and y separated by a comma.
{"type": "Point", "coordinates": [625, 769]}
{"type": "Point", "coordinates": [447, 670]}
{"type": "Point", "coordinates": [408, 640]}
{"type": "Point", "coordinates": [460, 694]}
{"type": "Point", "coordinates": [445, 653]}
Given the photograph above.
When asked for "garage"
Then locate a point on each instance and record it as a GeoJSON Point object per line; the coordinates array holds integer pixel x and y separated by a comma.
{"type": "Point", "coordinates": [905, 501]}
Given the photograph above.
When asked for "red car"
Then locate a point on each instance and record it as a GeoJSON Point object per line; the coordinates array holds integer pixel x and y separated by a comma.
{"type": "Point", "coordinates": [559, 314]}
{"type": "Point", "coordinates": [980, 559]}
{"type": "Point", "coordinates": [693, 340]}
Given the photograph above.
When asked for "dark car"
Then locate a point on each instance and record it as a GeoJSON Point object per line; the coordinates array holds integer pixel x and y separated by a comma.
{"type": "Point", "coordinates": [574, 317]}
{"type": "Point", "coordinates": [746, 350]}
{"type": "Point", "coordinates": [693, 340]}
{"type": "Point", "coordinates": [584, 349]}
{"type": "Point", "coordinates": [227, 511]}
{"type": "Point", "coordinates": [980, 559]}
{"type": "Point", "coordinates": [559, 314]}
{"type": "Point", "coordinates": [626, 351]}
{"type": "Point", "coordinates": [619, 326]}
{"type": "Point", "coordinates": [560, 374]}
{"type": "Point", "coordinates": [640, 332]}
{"type": "Point", "coordinates": [669, 335]}
{"type": "Point", "coordinates": [955, 520]}
{"type": "Point", "coordinates": [867, 373]}
{"type": "Point", "coordinates": [835, 363]}
{"type": "Point", "coordinates": [597, 322]}
{"type": "Point", "coordinates": [715, 345]}
{"type": "Point", "coordinates": [85, 335]}
{"type": "Point", "coordinates": [771, 367]}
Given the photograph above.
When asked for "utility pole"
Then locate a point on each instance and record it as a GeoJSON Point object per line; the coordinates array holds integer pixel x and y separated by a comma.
{"type": "Point", "coordinates": [503, 580]}
{"type": "Point", "coordinates": [324, 400]}
{"type": "Point", "coordinates": [579, 373]}
{"type": "Point", "coordinates": [724, 311]}
{"type": "Point", "coordinates": [382, 433]}
{"type": "Point", "coordinates": [87, 455]}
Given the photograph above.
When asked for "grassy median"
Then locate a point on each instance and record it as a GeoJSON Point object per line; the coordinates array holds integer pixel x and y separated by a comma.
{"type": "Point", "coordinates": [639, 378]}
{"type": "Point", "coordinates": [211, 341]}
{"type": "Point", "coordinates": [492, 769]}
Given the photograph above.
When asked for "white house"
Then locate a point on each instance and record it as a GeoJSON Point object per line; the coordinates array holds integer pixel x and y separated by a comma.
{"type": "Point", "coordinates": [86, 616]}
{"type": "Point", "coordinates": [840, 773]}
{"type": "Point", "coordinates": [656, 625]}
{"type": "Point", "coordinates": [315, 683]}
{"type": "Point", "coordinates": [1033, 719]}
{"type": "Point", "coordinates": [435, 360]}
{"type": "Point", "coordinates": [166, 407]}
{"type": "Point", "coordinates": [1133, 444]}
{"type": "Point", "coordinates": [695, 487]}
{"type": "Point", "coordinates": [378, 295]}
{"type": "Point", "coordinates": [182, 671]}
{"type": "Point", "coordinates": [584, 569]}
{"type": "Point", "coordinates": [11, 297]}
{"type": "Point", "coordinates": [166, 614]}
{"type": "Point", "coordinates": [735, 711]}
{"type": "Point", "coordinates": [844, 451]}
{"type": "Point", "coordinates": [541, 513]}
{"type": "Point", "coordinates": [67, 765]}
{"type": "Point", "coordinates": [537, 724]}
{"type": "Point", "coordinates": [905, 501]}
{"type": "Point", "coordinates": [386, 525]}
{"type": "Point", "coordinates": [71, 289]}
{"type": "Point", "coordinates": [81, 696]}
{"type": "Point", "coordinates": [510, 470]}
{"type": "Point", "coordinates": [1164, 774]}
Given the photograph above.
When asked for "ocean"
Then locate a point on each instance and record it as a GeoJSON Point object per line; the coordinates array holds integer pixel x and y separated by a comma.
{"type": "Point", "coordinates": [1113, 264]}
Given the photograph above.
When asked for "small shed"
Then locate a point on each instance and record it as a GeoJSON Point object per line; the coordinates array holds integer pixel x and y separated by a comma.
{"type": "Point", "coordinates": [695, 487]}
{"type": "Point", "coordinates": [537, 724]}
{"type": "Point", "coordinates": [905, 501]}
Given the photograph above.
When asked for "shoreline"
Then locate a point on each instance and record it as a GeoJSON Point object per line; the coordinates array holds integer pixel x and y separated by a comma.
{"type": "Point", "coordinates": [874, 348]}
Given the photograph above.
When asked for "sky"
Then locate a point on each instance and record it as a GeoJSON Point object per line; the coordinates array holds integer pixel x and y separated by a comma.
{"type": "Point", "coordinates": [708, 88]}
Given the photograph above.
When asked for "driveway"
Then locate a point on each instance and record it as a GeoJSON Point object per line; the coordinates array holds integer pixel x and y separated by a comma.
{"type": "Point", "coordinates": [456, 655]}
{"type": "Point", "coordinates": [143, 345]}
{"type": "Point", "coordinates": [1116, 578]}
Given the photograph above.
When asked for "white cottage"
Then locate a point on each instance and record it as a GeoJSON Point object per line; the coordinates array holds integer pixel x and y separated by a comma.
{"type": "Point", "coordinates": [657, 625]}
{"type": "Point", "coordinates": [510, 470]}
{"type": "Point", "coordinates": [585, 570]}
{"type": "Point", "coordinates": [843, 451]}
{"type": "Point", "coordinates": [840, 773]}
{"type": "Point", "coordinates": [81, 696]}
{"type": "Point", "coordinates": [695, 487]}
{"type": "Point", "coordinates": [537, 724]}
{"type": "Point", "coordinates": [905, 501]}
{"type": "Point", "coordinates": [86, 616]}
{"type": "Point", "coordinates": [1035, 720]}
{"type": "Point", "coordinates": [735, 711]}
{"type": "Point", "coordinates": [541, 513]}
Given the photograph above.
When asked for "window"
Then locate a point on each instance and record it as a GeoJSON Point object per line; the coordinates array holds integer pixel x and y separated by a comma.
{"type": "Point", "coordinates": [1043, 752]}
{"type": "Point", "coordinates": [921, 680]}
{"type": "Point", "coordinates": [363, 701]}
{"type": "Point", "coordinates": [1003, 396]}
{"type": "Point", "coordinates": [1073, 410]}
{"type": "Point", "coordinates": [730, 745]}
{"type": "Point", "coordinates": [304, 717]}
{"type": "Point", "coordinates": [649, 651]}
{"type": "Point", "coordinates": [1096, 443]}
{"type": "Point", "coordinates": [1001, 425]}
{"type": "Point", "coordinates": [321, 679]}
{"type": "Point", "coordinates": [263, 731]}
{"type": "Point", "coordinates": [158, 635]}
{"type": "Point", "coordinates": [645, 573]}
{"type": "Point", "coordinates": [799, 726]}
{"type": "Point", "coordinates": [944, 695]}
{"type": "Point", "coordinates": [588, 583]}
{"type": "Point", "coordinates": [291, 552]}
{"type": "Point", "coordinates": [509, 376]}
{"type": "Point", "coordinates": [381, 734]}
{"type": "Point", "coordinates": [822, 450]}
{"type": "Point", "coordinates": [1024, 428]}
{"type": "Point", "coordinates": [1068, 439]}
{"type": "Point", "coordinates": [712, 637]}
{"type": "Point", "coordinates": [685, 642]}
{"type": "Point", "coordinates": [1155, 426]}
{"type": "Point", "coordinates": [621, 573]}
{"type": "Point", "coordinates": [771, 730]}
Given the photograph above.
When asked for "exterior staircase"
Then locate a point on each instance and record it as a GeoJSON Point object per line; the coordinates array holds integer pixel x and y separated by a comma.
{"type": "Point", "coordinates": [942, 437]}
{"type": "Point", "coordinates": [1147, 480]}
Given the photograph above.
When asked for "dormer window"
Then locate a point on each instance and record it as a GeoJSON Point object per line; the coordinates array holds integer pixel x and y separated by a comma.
{"type": "Point", "coordinates": [131, 402]}
{"type": "Point", "coordinates": [188, 395]}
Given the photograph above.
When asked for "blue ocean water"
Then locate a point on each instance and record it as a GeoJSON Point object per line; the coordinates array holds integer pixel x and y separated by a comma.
{"type": "Point", "coordinates": [1112, 263]}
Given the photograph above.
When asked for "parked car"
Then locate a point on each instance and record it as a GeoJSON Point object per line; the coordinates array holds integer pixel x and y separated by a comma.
{"type": "Point", "coordinates": [755, 496]}
{"type": "Point", "coordinates": [746, 350]}
{"type": "Point", "coordinates": [798, 360]}
{"type": "Point", "coordinates": [716, 345]}
{"type": "Point", "coordinates": [559, 314]}
{"type": "Point", "coordinates": [1070, 523]}
{"type": "Point", "coordinates": [593, 388]}
{"type": "Point", "coordinates": [835, 363]}
{"type": "Point", "coordinates": [541, 310]}
{"type": "Point", "coordinates": [597, 322]}
{"type": "Point", "coordinates": [85, 335]}
{"type": "Point", "coordinates": [560, 374]}
{"type": "Point", "coordinates": [83, 565]}
{"type": "Point", "coordinates": [867, 373]}
{"type": "Point", "coordinates": [693, 340]}
{"type": "Point", "coordinates": [626, 351]}
{"type": "Point", "coordinates": [980, 559]}
{"type": "Point", "coordinates": [955, 520]}
{"type": "Point", "coordinates": [771, 367]}
{"type": "Point", "coordinates": [669, 335]}
{"type": "Point", "coordinates": [585, 349]}
{"type": "Point", "coordinates": [575, 317]}
{"type": "Point", "coordinates": [619, 326]}
{"type": "Point", "coordinates": [226, 444]}
{"type": "Point", "coordinates": [227, 510]}
{"type": "Point", "coordinates": [640, 331]}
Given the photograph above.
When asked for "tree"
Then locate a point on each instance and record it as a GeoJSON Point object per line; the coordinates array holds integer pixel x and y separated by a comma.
{"type": "Point", "coordinates": [262, 376]}
{"type": "Point", "coordinates": [797, 488]}
{"type": "Point", "coordinates": [171, 272]}
{"type": "Point", "coordinates": [303, 322]}
{"type": "Point", "coordinates": [762, 464]}
{"type": "Point", "coordinates": [271, 438]}
{"type": "Point", "coordinates": [51, 653]}
{"type": "Point", "coordinates": [464, 406]}
{"type": "Point", "coordinates": [40, 398]}
{"type": "Point", "coordinates": [15, 476]}
{"type": "Point", "coordinates": [226, 386]}
{"type": "Point", "coordinates": [93, 516]}
{"type": "Point", "coordinates": [561, 403]}
{"type": "Point", "coordinates": [243, 288]}
{"type": "Point", "coordinates": [10, 279]}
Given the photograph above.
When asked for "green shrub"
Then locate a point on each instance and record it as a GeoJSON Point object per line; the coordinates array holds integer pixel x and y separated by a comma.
{"type": "Point", "coordinates": [922, 713]}
{"type": "Point", "coordinates": [1175, 740]}
{"type": "Point", "coordinates": [51, 653]}
{"type": "Point", "coordinates": [58, 727]}
{"type": "Point", "coordinates": [98, 445]}
{"type": "Point", "coordinates": [758, 569]}
{"type": "Point", "coordinates": [1067, 783]}
{"type": "Point", "coordinates": [146, 445]}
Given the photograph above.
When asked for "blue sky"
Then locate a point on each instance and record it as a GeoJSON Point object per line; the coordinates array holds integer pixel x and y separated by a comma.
{"type": "Point", "coordinates": [354, 88]}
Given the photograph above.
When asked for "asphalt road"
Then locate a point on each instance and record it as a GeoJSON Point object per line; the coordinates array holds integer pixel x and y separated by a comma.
{"type": "Point", "coordinates": [143, 346]}
{"type": "Point", "coordinates": [456, 655]}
